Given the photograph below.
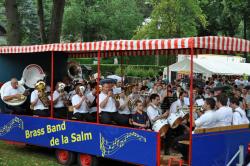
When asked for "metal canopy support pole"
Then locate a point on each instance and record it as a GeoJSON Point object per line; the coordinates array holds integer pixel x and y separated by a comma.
{"type": "Point", "coordinates": [52, 85]}
{"type": "Point", "coordinates": [98, 83]}
{"type": "Point", "coordinates": [240, 152]}
{"type": "Point", "coordinates": [191, 101]}
{"type": "Point", "coordinates": [122, 71]}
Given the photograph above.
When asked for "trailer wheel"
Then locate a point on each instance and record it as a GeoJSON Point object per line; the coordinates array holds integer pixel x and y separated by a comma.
{"type": "Point", "coordinates": [65, 157]}
{"type": "Point", "coordinates": [87, 160]}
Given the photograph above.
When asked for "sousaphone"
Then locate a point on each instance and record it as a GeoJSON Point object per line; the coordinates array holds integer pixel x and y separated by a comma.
{"type": "Point", "coordinates": [74, 71]}
{"type": "Point", "coordinates": [31, 74]}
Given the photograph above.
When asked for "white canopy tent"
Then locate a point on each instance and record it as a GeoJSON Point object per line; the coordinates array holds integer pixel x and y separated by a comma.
{"type": "Point", "coordinates": [209, 67]}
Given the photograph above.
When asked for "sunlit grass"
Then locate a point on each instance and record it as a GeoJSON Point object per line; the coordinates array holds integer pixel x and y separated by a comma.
{"type": "Point", "coordinates": [11, 155]}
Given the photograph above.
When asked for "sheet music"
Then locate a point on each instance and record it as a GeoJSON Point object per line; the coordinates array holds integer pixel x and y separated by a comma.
{"type": "Point", "coordinates": [186, 101]}
{"type": "Point", "coordinates": [200, 102]}
{"type": "Point", "coordinates": [117, 91]}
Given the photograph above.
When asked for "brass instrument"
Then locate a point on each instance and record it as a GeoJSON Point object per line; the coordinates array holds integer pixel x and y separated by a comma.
{"type": "Point", "coordinates": [128, 88]}
{"type": "Point", "coordinates": [117, 97]}
{"type": "Point", "coordinates": [42, 95]}
{"type": "Point", "coordinates": [31, 74]}
{"type": "Point", "coordinates": [74, 71]}
{"type": "Point", "coordinates": [62, 92]}
{"type": "Point", "coordinates": [82, 89]}
{"type": "Point", "coordinates": [131, 101]}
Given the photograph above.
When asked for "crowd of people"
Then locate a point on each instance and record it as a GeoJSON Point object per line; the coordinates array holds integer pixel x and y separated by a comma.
{"type": "Point", "coordinates": [218, 101]}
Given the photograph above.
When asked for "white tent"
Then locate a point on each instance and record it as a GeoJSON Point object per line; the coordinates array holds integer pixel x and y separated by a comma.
{"type": "Point", "coordinates": [209, 67]}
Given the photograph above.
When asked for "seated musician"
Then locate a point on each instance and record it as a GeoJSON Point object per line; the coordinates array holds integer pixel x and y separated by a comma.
{"type": "Point", "coordinates": [206, 120]}
{"type": "Point", "coordinates": [178, 103]}
{"type": "Point", "coordinates": [140, 119]}
{"type": "Point", "coordinates": [60, 101]}
{"type": "Point", "coordinates": [14, 92]}
{"type": "Point", "coordinates": [224, 114]}
{"type": "Point", "coordinates": [39, 101]}
{"type": "Point", "coordinates": [168, 99]}
{"type": "Point", "coordinates": [79, 102]}
{"type": "Point", "coordinates": [239, 115]}
{"type": "Point", "coordinates": [108, 105]}
{"type": "Point", "coordinates": [123, 110]}
{"type": "Point", "coordinates": [133, 97]}
{"type": "Point", "coordinates": [153, 111]}
{"type": "Point", "coordinates": [91, 101]}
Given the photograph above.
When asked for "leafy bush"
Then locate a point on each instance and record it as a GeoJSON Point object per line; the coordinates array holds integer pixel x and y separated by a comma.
{"type": "Point", "coordinates": [139, 71]}
{"type": "Point", "coordinates": [129, 70]}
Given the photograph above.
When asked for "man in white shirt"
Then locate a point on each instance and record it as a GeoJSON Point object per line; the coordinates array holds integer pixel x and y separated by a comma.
{"type": "Point", "coordinates": [40, 108]}
{"type": "Point", "coordinates": [79, 102]}
{"type": "Point", "coordinates": [91, 98]}
{"type": "Point", "coordinates": [123, 110]}
{"type": "Point", "coordinates": [14, 91]}
{"type": "Point", "coordinates": [178, 103]}
{"type": "Point", "coordinates": [60, 102]}
{"type": "Point", "coordinates": [224, 114]}
{"type": "Point", "coordinates": [108, 105]}
{"type": "Point", "coordinates": [154, 112]}
{"type": "Point", "coordinates": [239, 115]}
{"type": "Point", "coordinates": [206, 120]}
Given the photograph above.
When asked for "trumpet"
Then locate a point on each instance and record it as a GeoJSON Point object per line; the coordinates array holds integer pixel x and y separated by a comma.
{"type": "Point", "coordinates": [117, 97]}
{"type": "Point", "coordinates": [187, 108]}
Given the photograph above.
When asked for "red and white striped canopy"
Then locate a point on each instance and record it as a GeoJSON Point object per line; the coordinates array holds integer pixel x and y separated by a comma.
{"type": "Point", "coordinates": [209, 44]}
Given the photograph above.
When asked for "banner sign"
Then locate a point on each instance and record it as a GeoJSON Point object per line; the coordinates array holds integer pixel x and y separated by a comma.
{"type": "Point", "coordinates": [218, 148]}
{"type": "Point", "coordinates": [125, 144]}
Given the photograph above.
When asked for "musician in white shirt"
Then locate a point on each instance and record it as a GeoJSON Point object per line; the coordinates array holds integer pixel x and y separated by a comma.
{"type": "Point", "coordinates": [224, 114]}
{"type": "Point", "coordinates": [239, 115]}
{"type": "Point", "coordinates": [60, 100]}
{"type": "Point", "coordinates": [14, 91]}
{"type": "Point", "coordinates": [123, 110]}
{"type": "Point", "coordinates": [154, 112]}
{"type": "Point", "coordinates": [91, 98]}
{"type": "Point", "coordinates": [108, 105]}
{"type": "Point", "coordinates": [39, 104]}
{"type": "Point", "coordinates": [79, 102]}
{"type": "Point", "coordinates": [178, 103]}
{"type": "Point", "coordinates": [206, 120]}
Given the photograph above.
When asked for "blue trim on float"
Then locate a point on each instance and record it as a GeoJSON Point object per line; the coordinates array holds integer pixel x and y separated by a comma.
{"type": "Point", "coordinates": [217, 148]}
{"type": "Point", "coordinates": [125, 144]}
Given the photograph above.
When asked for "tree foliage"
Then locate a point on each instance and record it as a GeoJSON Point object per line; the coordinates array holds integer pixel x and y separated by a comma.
{"type": "Point", "coordinates": [41, 21]}
{"type": "Point", "coordinates": [101, 20]}
{"type": "Point", "coordinates": [172, 18]}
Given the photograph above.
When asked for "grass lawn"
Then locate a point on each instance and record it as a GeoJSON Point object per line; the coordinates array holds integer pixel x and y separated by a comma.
{"type": "Point", "coordinates": [11, 155]}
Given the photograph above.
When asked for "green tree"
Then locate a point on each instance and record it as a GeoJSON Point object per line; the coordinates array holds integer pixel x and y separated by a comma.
{"type": "Point", "coordinates": [29, 22]}
{"type": "Point", "coordinates": [172, 18]}
{"type": "Point", "coordinates": [100, 20]}
{"type": "Point", "coordinates": [14, 36]}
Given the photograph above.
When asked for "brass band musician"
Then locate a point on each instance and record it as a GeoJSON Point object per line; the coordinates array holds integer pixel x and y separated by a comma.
{"type": "Point", "coordinates": [14, 92]}
{"type": "Point", "coordinates": [123, 110]}
{"type": "Point", "coordinates": [60, 101]}
{"type": "Point", "coordinates": [39, 100]}
{"type": "Point", "coordinates": [107, 103]}
{"type": "Point", "coordinates": [79, 102]}
{"type": "Point", "coordinates": [91, 101]}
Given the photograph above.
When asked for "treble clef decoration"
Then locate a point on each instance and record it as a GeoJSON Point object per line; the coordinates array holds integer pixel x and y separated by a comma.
{"type": "Point", "coordinates": [109, 148]}
{"type": "Point", "coordinates": [15, 122]}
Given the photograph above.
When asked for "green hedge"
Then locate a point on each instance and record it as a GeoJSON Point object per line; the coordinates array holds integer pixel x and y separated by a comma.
{"type": "Point", "coordinates": [129, 70]}
{"type": "Point", "coordinates": [91, 60]}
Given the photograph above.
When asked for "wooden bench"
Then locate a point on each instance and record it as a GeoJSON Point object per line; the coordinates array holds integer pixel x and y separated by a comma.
{"type": "Point", "coordinates": [218, 129]}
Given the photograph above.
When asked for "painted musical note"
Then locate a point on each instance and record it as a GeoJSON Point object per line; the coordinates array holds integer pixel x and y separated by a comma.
{"type": "Point", "coordinates": [109, 148]}
{"type": "Point", "coordinates": [15, 122]}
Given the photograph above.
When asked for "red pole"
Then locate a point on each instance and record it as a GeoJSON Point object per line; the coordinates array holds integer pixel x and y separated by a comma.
{"type": "Point", "coordinates": [98, 83]}
{"type": "Point", "coordinates": [122, 73]}
{"type": "Point", "coordinates": [191, 101]}
{"type": "Point", "coordinates": [52, 84]}
{"type": "Point", "coordinates": [158, 149]}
